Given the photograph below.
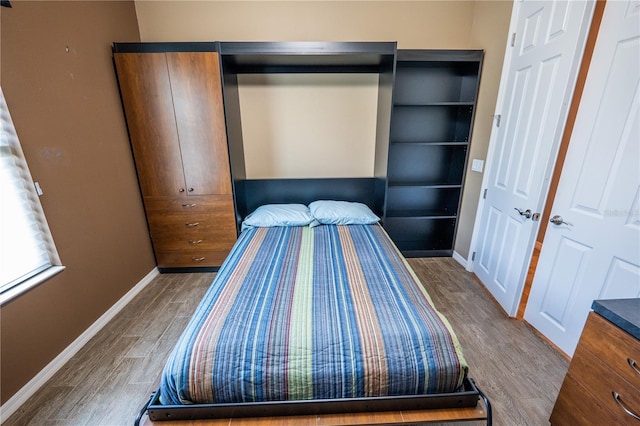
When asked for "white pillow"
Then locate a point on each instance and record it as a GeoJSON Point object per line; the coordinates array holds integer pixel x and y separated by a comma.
{"type": "Point", "coordinates": [278, 215]}
{"type": "Point", "coordinates": [330, 212]}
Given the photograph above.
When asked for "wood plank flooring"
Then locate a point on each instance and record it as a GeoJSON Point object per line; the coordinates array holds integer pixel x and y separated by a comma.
{"type": "Point", "coordinates": [108, 381]}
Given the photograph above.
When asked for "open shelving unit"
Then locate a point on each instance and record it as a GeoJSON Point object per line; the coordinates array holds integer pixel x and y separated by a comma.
{"type": "Point", "coordinates": [434, 100]}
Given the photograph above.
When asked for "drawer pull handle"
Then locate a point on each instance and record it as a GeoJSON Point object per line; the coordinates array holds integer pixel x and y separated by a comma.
{"type": "Point", "coordinates": [618, 400]}
{"type": "Point", "coordinates": [195, 242]}
{"type": "Point", "coordinates": [634, 365]}
{"type": "Point", "coordinates": [188, 206]}
{"type": "Point", "coordinates": [198, 259]}
{"type": "Point", "coordinates": [193, 224]}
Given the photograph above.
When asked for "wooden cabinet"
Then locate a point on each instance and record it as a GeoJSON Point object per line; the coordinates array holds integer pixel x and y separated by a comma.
{"type": "Point", "coordinates": [602, 385]}
{"type": "Point", "coordinates": [174, 111]}
{"type": "Point", "coordinates": [434, 98]}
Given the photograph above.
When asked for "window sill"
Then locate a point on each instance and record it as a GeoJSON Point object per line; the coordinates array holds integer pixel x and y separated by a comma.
{"type": "Point", "coordinates": [27, 285]}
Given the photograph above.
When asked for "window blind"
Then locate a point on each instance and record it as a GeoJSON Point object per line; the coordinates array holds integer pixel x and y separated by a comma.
{"type": "Point", "coordinates": [26, 246]}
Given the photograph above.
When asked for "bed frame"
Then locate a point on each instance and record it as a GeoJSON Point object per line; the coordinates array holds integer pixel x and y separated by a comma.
{"type": "Point", "coordinates": [466, 399]}
{"type": "Point", "coordinates": [249, 195]}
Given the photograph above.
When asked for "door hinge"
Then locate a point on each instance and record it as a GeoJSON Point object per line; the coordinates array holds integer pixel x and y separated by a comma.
{"type": "Point", "coordinates": [473, 256]}
{"type": "Point", "coordinates": [513, 39]}
{"type": "Point", "coordinates": [497, 117]}
{"type": "Point", "coordinates": [484, 195]}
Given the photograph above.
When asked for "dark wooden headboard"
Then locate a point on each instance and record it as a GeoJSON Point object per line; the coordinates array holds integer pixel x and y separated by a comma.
{"type": "Point", "coordinates": [251, 194]}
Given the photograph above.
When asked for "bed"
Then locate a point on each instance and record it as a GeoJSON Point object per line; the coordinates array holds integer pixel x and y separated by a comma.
{"type": "Point", "coordinates": [307, 317]}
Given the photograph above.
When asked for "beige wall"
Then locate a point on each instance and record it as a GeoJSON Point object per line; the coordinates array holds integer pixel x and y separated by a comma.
{"type": "Point", "coordinates": [413, 24]}
{"type": "Point", "coordinates": [489, 32]}
{"type": "Point", "coordinates": [60, 86]}
{"type": "Point", "coordinates": [308, 125]}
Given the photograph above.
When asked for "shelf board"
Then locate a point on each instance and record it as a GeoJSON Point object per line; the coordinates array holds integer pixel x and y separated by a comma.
{"type": "Point", "coordinates": [428, 104]}
{"type": "Point", "coordinates": [426, 253]}
{"type": "Point", "coordinates": [396, 184]}
{"type": "Point", "coordinates": [439, 55]}
{"type": "Point", "coordinates": [164, 47]}
{"type": "Point", "coordinates": [421, 143]}
{"type": "Point", "coordinates": [308, 57]}
{"type": "Point", "coordinates": [420, 214]}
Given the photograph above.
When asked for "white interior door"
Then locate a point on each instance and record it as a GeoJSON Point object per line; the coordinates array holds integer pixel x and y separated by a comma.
{"type": "Point", "coordinates": [596, 254]}
{"type": "Point", "coordinates": [537, 84]}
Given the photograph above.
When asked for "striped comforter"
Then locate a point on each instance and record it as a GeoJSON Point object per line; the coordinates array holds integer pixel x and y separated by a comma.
{"type": "Point", "coordinates": [304, 313]}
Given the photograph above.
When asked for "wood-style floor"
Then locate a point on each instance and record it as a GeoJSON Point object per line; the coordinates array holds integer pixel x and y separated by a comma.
{"type": "Point", "coordinates": [108, 381]}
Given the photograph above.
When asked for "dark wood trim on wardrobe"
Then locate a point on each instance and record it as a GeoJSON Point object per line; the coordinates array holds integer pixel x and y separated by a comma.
{"type": "Point", "coordinates": [164, 47]}
{"type": "Point", "coordinates": [564, 147]}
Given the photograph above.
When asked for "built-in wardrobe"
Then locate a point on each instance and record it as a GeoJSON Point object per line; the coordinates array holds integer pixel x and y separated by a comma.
{"type": "Point", "coordinates": [175, 116]}
{"type": "Point", "coordinates": [182, 108]}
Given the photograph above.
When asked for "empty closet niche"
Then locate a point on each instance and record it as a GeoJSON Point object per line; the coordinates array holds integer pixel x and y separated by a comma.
{"type": "Point", "coordinates": [308, 125]}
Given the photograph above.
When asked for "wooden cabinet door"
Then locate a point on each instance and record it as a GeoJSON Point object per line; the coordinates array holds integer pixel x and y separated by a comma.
{"type": "Point", "coordinates": [175, 114]}
{"type": "Point", "coordinates": [199, 112]}
{"type": "Point", "coordinates": [146, 94]}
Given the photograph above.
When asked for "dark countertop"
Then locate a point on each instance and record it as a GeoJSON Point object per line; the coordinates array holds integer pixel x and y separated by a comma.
{"type": "Point", "coordinates": [625, 313]}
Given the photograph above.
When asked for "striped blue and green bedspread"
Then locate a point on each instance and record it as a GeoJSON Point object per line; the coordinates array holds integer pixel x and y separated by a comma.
{"type": "Point", "coordinates": [299, 313]}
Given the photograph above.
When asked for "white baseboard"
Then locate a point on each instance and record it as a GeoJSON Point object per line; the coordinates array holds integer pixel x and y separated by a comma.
{"type": "Point", "coordinates": [28, 390]}
{"type": "Point", "coordinates": [461, 260]}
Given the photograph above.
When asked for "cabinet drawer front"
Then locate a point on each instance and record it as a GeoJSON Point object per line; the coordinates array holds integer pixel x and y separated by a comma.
{"type": "Point", "coordinates": [158, 207]}
{"type": "Point", "coordinates": [190, 258]}
{"type": "Point", "coordinates": [576, 406]}
{"type": "Point", "coordinates": [613, 346]}
{"type": "Point", "coordinates": [193, 239]}
{"type": "Point", "coordinates": [191, 218]}
{"type": "Point", "coordinates": [203, 227]}
{"type": "Point", "coordinates": [191, 231]}
{"type": "Point", "coordinates": [601, 382]}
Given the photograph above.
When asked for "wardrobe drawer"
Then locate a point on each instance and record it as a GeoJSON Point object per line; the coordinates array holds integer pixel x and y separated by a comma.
{"type": "Point", "coordinates": [618, 350]}
{"type": "Point", "coordinates": [164, 229]}
{"type": "Point", "coordinates": [217, 206]}
{"type": "Point", "coordinates": [191, 231]}
{"type": "Point", "coordinates": [210, 218]}
{"type": "Point", "coordinates": [205, 238]}
{"type": "Point", "coordinates": [190, 258]}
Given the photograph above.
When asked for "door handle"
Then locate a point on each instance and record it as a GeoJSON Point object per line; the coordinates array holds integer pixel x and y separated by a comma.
{"type": "Point", "coordinates": [527, 213]}
{"type": "Point", "coordinates": [557, 220]}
